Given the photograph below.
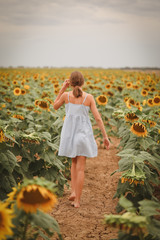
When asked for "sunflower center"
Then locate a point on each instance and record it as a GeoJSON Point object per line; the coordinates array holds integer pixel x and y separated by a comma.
{"type": "Point", "coordinates": [157, 100]}
{"type": "Point", "coordinates": [131, 116]}
{"type": "Point", "coordinates": [34, 197]}
{"type": "Point", "coordinates": [102, 99]}
{"type": "Point", "coordinates": [139, 127]}
{"type": "Point", "coordinates": [43, 104]}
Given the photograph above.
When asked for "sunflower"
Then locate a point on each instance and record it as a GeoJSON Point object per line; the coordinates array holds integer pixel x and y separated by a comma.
{"type": "Point", "coordinates": [6, 216]}
{"type": "Point", "coordinates": [14, 82]}
{"type": "Point", "coordinates": [42, 84]}
{"type": "Point", "coordinates": [139, 129]}
{"type": "Point", "coordinates": [109, 93]}
{"type": "Point", "coordinates": [108, 86]}
{"type": "Point", "coordinates": [17, 91]}
{"type": "Point", "coordinates": [30, 108]}
{"type": "Point", "coordinates": [102, 100]}
{"type": "Point", "coordinates": [144, 93]}
{"type": "Point", "coordinates": [23, 91]}
{"type": "Point", "coordinates": [36, 102]}
{"type": "Point", "coordinates": [26, 87]}
{"type": "Point", "coordinates": [33, 197]}
{"type": "Point", "coordinates": [151, 123]}
{"type": "Point", "coordinates": [2, 137]}
{"type": "Point", "coordinates": [131, 101]}
{"type": "Point", "coordinates": [56, 91]}
{"type": "Point", "coordinates": [150, 102]}
{"type": "Point", "coordinates": [18, 116]}
{"type": "Point", "coordinates": [156, 100]}
{"type": "Point", "coordinates": [119, 88]}
{"type": "Point", "coordinates": [129, 85]}
{"type": "Point", "coordinates": [135, 86]}
{"type": "Point", "coordinates": [131, 117]}
{"type": "Point", "coordinates": [8, 100]}
{"type": "Point", "coordinates": [19, 106]}
{"type": "Point", "coordinates": [43, 105]}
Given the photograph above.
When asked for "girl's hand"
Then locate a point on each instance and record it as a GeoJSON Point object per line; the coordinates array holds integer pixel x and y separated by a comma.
{"type": "Point", "coordinates": [106, 142]}
{"type": "Point", "coordinates": [65, 84]}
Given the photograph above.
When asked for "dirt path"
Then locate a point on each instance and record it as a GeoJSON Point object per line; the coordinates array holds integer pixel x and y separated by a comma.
{"type": "Point", "coordinates": [99, 188]}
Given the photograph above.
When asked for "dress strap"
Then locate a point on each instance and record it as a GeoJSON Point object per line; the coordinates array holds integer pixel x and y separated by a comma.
{"type": "Point", "coordinates": [84, 98]}
{"type": "Point", "coordinates": [68, 96]}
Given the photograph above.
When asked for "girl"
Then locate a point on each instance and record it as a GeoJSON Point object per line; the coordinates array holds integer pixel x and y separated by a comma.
{"type": "Point", "coordinates": [77, 139]}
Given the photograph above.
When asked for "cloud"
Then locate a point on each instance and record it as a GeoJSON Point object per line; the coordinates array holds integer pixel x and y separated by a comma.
{"type": "Point", "coordinates": [59, 12]}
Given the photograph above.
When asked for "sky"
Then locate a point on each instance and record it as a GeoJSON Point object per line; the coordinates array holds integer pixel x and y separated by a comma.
{"type": "Point", "coordinates": [80, 33]}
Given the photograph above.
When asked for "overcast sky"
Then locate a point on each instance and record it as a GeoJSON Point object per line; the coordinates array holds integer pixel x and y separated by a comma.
{"type": "Point", "coordinates": [98, 33]}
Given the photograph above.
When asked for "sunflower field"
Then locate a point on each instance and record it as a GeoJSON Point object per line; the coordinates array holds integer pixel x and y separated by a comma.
{"type": "Point", "coordinates": [129, 104]}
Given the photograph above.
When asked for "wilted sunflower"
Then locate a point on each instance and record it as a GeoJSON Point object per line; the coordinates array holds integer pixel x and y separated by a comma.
{"type": "Point", "coordinates": [2, 137]}
{"type": "Point", "coordinates": [33, 197]}
{"type": "Point", "coordinates": [150, 102]}
{"type": "Point", "coordinates": [17, 91]}
{"type": "Point", "coordinates": [139, 129]}
{"type": "Point", "coordinates": [43, 104]}
{"type": "Point", "coordinates": [102, 100]}
{"type": "Point", "coordinates": [156, 100]}
{"type": "Point", "coordinates": [18, 116]}
{"type": "Point", "coordinates": [23, 91]}
{"type": "Point", "coordinates": [131, 117]}
{"type": "Point", "coordinates": [144, 93]}
{"type": "Point", "coordinates": [6, 216]}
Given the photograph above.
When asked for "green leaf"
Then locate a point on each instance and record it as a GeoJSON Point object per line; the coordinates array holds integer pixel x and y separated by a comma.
{"type": "Point", "coordinates": [45, 221]}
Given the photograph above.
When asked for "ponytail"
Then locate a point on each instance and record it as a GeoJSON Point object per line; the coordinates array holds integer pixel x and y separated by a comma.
{"type": "Point", "coordinates": [77, 92]}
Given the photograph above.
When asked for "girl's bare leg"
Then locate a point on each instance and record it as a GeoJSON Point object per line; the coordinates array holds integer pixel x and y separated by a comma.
{"type": "Point", "coordinates": [73, 179]}
{"type": "Point", "coordinates": [80, 166]}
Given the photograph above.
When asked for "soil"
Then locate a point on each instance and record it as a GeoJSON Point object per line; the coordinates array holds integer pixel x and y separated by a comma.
{"type": "Point", "coordinates": [97, 200]}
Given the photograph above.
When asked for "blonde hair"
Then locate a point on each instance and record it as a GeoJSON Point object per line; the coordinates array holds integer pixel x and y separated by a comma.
{"type": "Point", "coordinates": [76, 81]}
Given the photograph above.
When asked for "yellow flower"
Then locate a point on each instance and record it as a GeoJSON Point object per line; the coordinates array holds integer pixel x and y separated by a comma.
{"type": "Point", "coordinates": [43, 105]}
{"type": "Point", "coordinates": [139, 129]}
{"type": "Point", "coordinates": [17, 91]}
{"type": "Point", "coordinates": [6, 216]}
{"type": "Point", "coordinates": [151, 123]}
{"type": "Point", "coordinates": [108, 86]}
{"type": "Point", "coordinates": [129, 85]}
{"type": "Point", "coordinates": [150, 102]}
{"type": "Point", "coordinates": [33, 197]}
{"type": "Point", "coordinates": [144, 93]}
{"type": "Point", "coordinates": [36, 102]}
{"type": "Point", "coordinates": [102, 100]}
{"type": "Point", "coordinates": [2, 137]}
{"type": "Point", "coordinates": [27, 87]}
{"type": "Point", "coordinates": [18, 116]}
{"type": "Point", "coordinates": [131, 117]}
{"type": "Point", "coordinates": [23, 91]}
{"type": "Point", "coordinates": [156, 100]}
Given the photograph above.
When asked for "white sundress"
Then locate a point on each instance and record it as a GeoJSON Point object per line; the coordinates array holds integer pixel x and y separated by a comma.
{"type": "Point", "coordinates": [77, 137]}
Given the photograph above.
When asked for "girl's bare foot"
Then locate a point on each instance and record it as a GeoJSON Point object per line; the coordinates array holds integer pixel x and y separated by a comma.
{"type": "Point", "coordinates": [72, 197]}
{"type": "Point", "coordinates": [76, 204]}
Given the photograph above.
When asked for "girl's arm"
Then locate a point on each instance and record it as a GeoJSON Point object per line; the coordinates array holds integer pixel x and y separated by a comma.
{"type": "Point", "coordinates": [60, 99]}
{"type": "Point", "coordinates": [99, 122]}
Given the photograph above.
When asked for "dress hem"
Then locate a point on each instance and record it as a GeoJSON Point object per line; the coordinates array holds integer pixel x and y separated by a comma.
{"type": "Point", "coordinates": [78, 155]}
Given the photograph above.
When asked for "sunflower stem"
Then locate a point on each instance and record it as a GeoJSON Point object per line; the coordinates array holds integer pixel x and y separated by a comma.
{"type": "Point", "coordinates": [25, 227]}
